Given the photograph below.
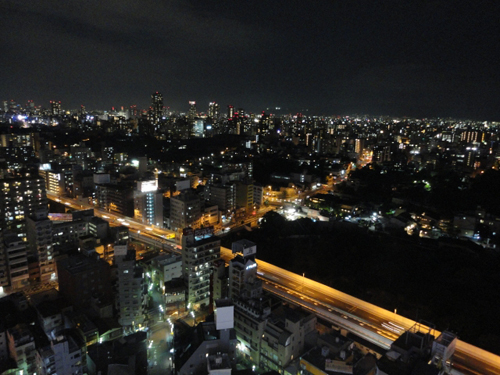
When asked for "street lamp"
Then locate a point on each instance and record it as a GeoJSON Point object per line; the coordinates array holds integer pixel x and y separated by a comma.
{"type": "Point", "coordinates": [303, 278]}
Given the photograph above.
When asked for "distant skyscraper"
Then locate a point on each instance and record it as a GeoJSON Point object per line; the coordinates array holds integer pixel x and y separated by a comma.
{"type": "Point", "coordinates": [156, 107]}
{"type": "Point", "coordinates": [55, 107]}
{"type": "Point", "coordinates": [192, 111]}
{"type": "Point", "coordinates": [213, 110]}
{"type": "Point", "coordinates": [230, 111]}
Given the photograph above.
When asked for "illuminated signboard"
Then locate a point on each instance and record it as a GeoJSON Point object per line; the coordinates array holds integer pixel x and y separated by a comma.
{"type": "Point", "coordinates": [147, 186]}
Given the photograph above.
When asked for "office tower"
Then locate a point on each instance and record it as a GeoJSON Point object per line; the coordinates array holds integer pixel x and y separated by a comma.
{"type": "Point", "coordinates": [55, 108]}
{"type": "Point", "coordinates": [131, 296]}
{"type": "Point", "coordinates": [200, 248]}
{"type": "Point", "coordinates": [148, 203]}
{"type": "Point", "coordinates": [213, 110]}
{"type": "Point", "coordinates": [185, 210]}
{"type": "Point", "coordinates": [230, 111]}
{"type": "Point", "coordinates": [156, 112]}
{"type": "Point", "coordinates": [192, 111]}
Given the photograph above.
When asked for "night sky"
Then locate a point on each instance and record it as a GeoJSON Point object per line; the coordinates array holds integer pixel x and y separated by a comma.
{"type": "Point", "coordinates": [414, 58]}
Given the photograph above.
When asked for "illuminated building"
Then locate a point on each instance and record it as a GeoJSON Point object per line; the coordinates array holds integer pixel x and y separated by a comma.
{"type": "Point", "coordinates": [148, 203]}
{"type": "Point", "coordinates": [230, 111]}
{"type": "Point", "coordinates": [213, 110]}
{"type": "Point", "coordinates": [192, 111]}
{"type": "Point", "coordinates": [156, 110]}
{"type": "Point", "coordinates": [55, 108]}
{"type": "Point", "coordinates": [58, 179]}
{"type": "Point", "coordinates": [20, 198]}
{"type": "Point", "coordinates": [471, 136]}
{"type": "Point", "coordinates": [200, 248]}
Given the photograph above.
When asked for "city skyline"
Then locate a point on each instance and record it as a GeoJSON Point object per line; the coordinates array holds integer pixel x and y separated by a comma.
{"type": "Point", "coordinates": [330, 58]}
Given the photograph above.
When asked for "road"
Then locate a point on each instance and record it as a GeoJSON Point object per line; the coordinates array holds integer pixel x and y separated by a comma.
{"type": "Point", "coordinates": [361, 315]}
{"type": "Point", "coordinates": [468, 358]}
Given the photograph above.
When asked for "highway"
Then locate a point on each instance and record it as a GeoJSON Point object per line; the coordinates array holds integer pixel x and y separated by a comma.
{"type": "Point", "coordinates": [327, 301]}
{"type": "Point", "coordinates": [371, 322]}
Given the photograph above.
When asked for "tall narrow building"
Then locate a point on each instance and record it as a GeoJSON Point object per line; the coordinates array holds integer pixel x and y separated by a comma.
{"type": "Point", "coordinates": [131, 297]}
{"type": "Point", "coordinates": [39, 234]}
{"type": "Point", "coordinates": [148, 203]}
{"type": "Point", "coordinates": [200, 249]}
{"type": "Point", "coordinates": [156, 111]}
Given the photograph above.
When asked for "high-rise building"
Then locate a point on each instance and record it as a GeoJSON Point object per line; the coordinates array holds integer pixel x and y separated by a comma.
{"type": "Point", "coordinates": [55, 108]}
{"type": "Point", "coordinates": [156, 111]}
{"type": "Point", "coordinates": [131, 297]}
{"type": "Point", "coordinates": [230, 111]}
{"type": "Point", "coordinates": [200, 248]}
{"type": "Point", "coordinates": [213, 110]}
{"type": "Point", "coordinates": [39, 234]}
{"type": "Point", "coordinates": [148, 203]}
{"type": "Point", "coordinates": [192, 111]}
{"type": "Point", "coordinates": [185, 210]}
